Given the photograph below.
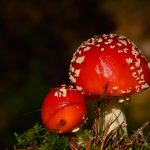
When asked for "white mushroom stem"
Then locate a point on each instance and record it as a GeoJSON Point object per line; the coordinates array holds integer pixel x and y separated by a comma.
{"type": "Point", "coordinates": [114, 116]}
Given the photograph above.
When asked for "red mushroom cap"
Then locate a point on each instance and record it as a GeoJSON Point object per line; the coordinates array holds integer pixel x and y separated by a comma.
{"type": "Point", "coordinates": [63, 109]}
{"type": "Point", "coordinates": [111, 60]}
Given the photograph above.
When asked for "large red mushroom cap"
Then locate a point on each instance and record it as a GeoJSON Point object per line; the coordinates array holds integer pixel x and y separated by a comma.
{"type": "Point", "coordinates": [111, 60]}
{"type": "Point", "coordinates": [63, 109]}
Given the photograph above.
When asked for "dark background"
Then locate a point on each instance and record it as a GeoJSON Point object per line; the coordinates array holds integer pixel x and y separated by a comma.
{"type": "Point", "coordinates": [37, 40]}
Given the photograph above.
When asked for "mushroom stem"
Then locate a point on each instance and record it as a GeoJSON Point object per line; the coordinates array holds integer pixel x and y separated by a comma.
{"type": "Point", "coordinates": [113, 116]}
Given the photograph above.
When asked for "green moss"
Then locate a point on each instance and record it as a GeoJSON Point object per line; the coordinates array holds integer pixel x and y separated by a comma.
{"type": "Point", "coordinates": [41, 139]}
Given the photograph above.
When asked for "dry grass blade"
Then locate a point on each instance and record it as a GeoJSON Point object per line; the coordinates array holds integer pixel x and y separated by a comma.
{"type": "Point", "coordinates": [137, 138]}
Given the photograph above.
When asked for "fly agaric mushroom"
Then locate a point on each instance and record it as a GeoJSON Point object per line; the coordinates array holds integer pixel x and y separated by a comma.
{"type": "Point", "coordinates": [110, 60]}
{"type": "Point", "coordinates": [63, 110]}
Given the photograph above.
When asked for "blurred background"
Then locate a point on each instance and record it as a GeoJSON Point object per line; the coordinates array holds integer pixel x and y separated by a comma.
{"type": "Point", "coordinates": [37, 40]}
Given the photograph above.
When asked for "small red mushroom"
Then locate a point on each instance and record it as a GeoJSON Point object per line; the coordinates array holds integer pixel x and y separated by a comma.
{"type": "Point", "coordinates": [111, 61]}
{"type": "Point", "coordinates": [63, 109]}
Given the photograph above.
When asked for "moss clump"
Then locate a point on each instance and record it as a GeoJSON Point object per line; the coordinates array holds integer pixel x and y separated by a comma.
{"type": "Point", "coordinates": [38, 138]}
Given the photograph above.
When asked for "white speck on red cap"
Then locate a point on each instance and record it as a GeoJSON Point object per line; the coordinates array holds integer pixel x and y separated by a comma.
{"type": "Point", "coordinates": [129, 60]}
{"type": "Point", "coordinates": [125, 50]}
{"type": "Point", "coordinates": [100, 40]}
{"type": "Point", "coordinates": [134, 52]}
{"type": "Point", "coordinates": [149, 65]}
{"type": "Point", "coordinates": [112, 35]}
{"type": "Point", "coordinates": [109, 41]}
{"type": "Point", "coordinates": [72, 69]}
{"type": "Point", "coordinates": [79, 88]}
{"type": "Point", "coordinates": [72, 78]}
{"type": "Point", "coordinates": [141, 81]}
{"type": "Point", "coordinates": [132, 68]}
{"type": "Point", "coordinates": [98, 45]}
{"type": "Point", "coordinates": [62, 92]}
{"type": "Point", "coordinates": [112, 46]}
{"type": "Point", "coordinates": [134, 74]}
{"type": "Point", "coordinates": [80, 59]}
{"type": "Point", "coordinates": [119, 44]}
{"type": "Point", "coordinates": [87, 48]}
{"type": "Point", "coordinates": [137, 89]}
{"type": "Point", "coordinates": [70, 86]}
{"type": "Point", "coordinates": [77, 72]}
{"type": "Point", "coordinates": [73, 59]}
{"type": "Point", "coordinates": [120, 51]}
{"type": "Point", "coordinates": [128, 90]}
{"type": "Point", "coordinates": [137, 63]}
{"type": "Point", "coordinates": [83, 45]}
{"type": "Point", "coordinates": [123, 42]}
{"type": "Point", "coordinates": [63, 85]}
{"type": "Point", "coordinates": [142, 76]}
{"type": "Point", "coordinates": [140, 71]}
{"type": "Point", "coordinates": [121, 37]}
{"type": "Point", "coordinates": [123, 91]}
{"type": "Point", "coordinates": [144, 86]}
{"type": "Point", "coordinates": [104, 36]}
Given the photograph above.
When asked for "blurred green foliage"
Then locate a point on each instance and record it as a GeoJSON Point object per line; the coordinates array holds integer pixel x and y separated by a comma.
{"type": "Point", "coordinates": [41, 139]}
